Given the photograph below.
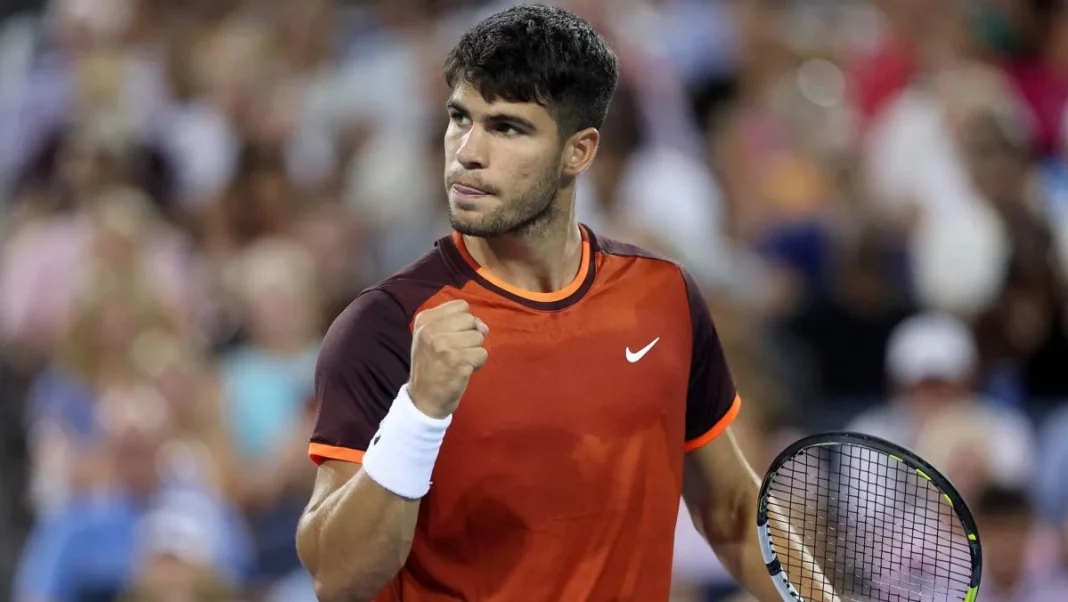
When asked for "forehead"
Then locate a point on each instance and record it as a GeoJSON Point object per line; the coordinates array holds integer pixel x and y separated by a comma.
{"type": "Point", "coordinates": [467, 96]}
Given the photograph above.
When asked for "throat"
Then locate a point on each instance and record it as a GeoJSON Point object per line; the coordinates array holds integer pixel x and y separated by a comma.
{"type": "Point", "coordinates": [545, 265]}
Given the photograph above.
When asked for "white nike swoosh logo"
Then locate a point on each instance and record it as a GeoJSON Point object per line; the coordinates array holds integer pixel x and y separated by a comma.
{"type": "Point", "coordinates": [633, 356]}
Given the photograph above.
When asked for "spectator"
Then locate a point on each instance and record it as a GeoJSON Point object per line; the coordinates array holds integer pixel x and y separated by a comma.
{"type": "Point", "coordinates": [200, 446]}
{"type": "Point", "coordinates": [87, 549]}
{"type": "Point", "coordinates": [267, 385]}
{"type": "Point", "coordinates": [62, 415]}
{"type": "Point", "coordinates": [1007, 523]}
{"type": "Point", "coordinates": [257, 204]}
{"type": "Point", "coordinates": [1022, 334]}
{"type": "Point", "coordinates": [177, 560]}
{"type": "Point", "coordinates": [47, 260]}
{"type": "Point", "coordinates": [932, 363]}
{"type": "Point", "coordinates": [191, 191]}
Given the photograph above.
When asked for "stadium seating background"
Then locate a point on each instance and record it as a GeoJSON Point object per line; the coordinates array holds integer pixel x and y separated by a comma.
{"type": "Point", "coordinates": [873, 193]}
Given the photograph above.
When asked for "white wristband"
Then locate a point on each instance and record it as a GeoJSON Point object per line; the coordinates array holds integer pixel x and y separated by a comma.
{"type": "Point", "coordinates": [402, 453]}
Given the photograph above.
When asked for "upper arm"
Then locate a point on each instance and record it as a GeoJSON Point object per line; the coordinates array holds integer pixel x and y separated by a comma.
{"type": "Point", "coordinates": [720, 489]}
{"type": "Point", "coordinates": [717, 480]}
{"type": "Point", "coordinates": [712, 401]}
{"type": "Point", "coordinates": [331, 476]}
{"type": "Point", "coordinates": [717, 472]}
{"type": "Point", "coordinates": [363, 363]}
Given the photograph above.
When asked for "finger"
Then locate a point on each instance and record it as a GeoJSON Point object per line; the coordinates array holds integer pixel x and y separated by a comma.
{"type": "Point", "coordinates": [474, 356]}
{"type": "Point", "coordinates": [455, 323]}
{"type": "Point", "coordinates": [435, 314]}
{"type": "Point", "coordinates": [481, 326]}
{"type": "Point", "coordinates": [450, 307]}
{"type": "Point", "coordinates": [462, 340]}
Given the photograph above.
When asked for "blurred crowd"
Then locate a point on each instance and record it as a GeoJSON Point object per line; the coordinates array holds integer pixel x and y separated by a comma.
{"type": "Point", "coordinates": [873, 194]}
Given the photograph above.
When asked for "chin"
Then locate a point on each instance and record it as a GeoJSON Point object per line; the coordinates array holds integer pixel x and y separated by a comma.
{"type": "Point", "coordinates": [478, 224]}
{"type": "Point", "coordinates": [471, 227]}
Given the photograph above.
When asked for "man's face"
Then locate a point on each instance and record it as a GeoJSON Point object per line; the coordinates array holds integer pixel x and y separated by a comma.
{"type": "Point", "coordinates": [502, 165]}
{"type": "Point", "coordinates": [1006, 540]}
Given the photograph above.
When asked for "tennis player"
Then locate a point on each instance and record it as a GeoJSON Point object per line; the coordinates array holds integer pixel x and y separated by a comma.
{"type": "Point", "coordinates": [514, 416]}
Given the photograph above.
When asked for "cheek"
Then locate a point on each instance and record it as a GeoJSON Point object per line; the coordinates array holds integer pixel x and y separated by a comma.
{"type": "Point", "coordinates": [451, 142]}
{"type": "Point", "coordinates": [532, 170]}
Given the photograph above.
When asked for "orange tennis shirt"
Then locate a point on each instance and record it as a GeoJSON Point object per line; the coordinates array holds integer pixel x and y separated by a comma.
{"type": "Point", "coordinates": [559, 478]}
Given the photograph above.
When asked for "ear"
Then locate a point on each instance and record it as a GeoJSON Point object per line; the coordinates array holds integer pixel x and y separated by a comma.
{"type": "Point", "coordinates": [579, 151]}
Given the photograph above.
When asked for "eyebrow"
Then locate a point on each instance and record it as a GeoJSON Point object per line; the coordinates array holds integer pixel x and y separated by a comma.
{"type": "Point", "coordinates": [495, 117]}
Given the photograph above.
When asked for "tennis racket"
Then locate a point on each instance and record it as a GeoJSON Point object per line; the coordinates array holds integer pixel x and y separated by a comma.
{"type": "Point", "coordinates": [850, 517]}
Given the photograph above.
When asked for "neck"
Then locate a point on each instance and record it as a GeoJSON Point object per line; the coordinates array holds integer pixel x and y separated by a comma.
{"type": "Point", "coordinates": [542, 261]}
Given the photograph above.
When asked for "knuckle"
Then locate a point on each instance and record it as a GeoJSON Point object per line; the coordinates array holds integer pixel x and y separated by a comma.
{"type": "Point", "coordinates": [423, 317]}
{"type": "Point", "coordinates": [460, 322]}
{"type": "Point", "coordinates": [437, 343]}
{"type": "Point", "coordinates": [421, 337]}
{"type": "Point", "coordinates": [450, 356]}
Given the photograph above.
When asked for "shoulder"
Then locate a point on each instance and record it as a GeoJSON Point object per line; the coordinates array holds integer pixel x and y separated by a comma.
{"type": "Point", "coordinates": [386, 308]}
{"type": "Point", "coordinates": [653, 268]}
{"type": "Point", "coordinates": [613, 248]}
{"type": "Point", "coordinates": [420, 280]}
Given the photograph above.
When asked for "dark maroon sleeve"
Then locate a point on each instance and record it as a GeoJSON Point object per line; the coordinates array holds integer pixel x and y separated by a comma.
{"type": "Point", "coordinates": [362, 365]}
{"type": "Point", "coordinates": [711, 402]}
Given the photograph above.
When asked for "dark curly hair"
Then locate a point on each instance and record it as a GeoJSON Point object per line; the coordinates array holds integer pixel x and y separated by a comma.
{"type": "Point", "coordinates": [542, 54]}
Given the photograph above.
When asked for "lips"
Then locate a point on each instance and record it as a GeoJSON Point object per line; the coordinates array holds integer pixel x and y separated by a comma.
{"type": "Point", "coordinates": [466, 190]}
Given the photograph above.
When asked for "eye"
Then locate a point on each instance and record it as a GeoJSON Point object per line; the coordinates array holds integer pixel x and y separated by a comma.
{"type": "Point", "coordinates": [509, 130]}
{"type": "Point", "coordinates": [458, 118]}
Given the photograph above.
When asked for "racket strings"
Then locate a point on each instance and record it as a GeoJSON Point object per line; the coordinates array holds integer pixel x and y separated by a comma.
{"type": "Point", "coordinates": [879, 531]}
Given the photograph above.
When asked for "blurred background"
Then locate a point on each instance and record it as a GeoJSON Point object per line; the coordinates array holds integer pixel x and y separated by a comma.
{"type": "Point", "coordinates": [873, 193]}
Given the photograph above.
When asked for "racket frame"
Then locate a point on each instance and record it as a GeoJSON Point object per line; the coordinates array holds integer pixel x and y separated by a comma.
{"type": "Point", "coordinates": [895, 452]}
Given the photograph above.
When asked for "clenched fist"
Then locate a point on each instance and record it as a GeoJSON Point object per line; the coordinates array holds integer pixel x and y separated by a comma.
{"type": "Point", "coordinates": [446, 351]}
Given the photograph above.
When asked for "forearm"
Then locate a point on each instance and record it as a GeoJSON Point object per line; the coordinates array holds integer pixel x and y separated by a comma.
{"type": "Point", "coordinates": [809, 579]}
{"type": "Point", "coordinates": [357, 532]}
{"type": "Point", "coordinates": [737, 544]}
{"type": "Point", "coordinates": [356, 540]}
{"type": "Point", "coordinates": [745, 561]}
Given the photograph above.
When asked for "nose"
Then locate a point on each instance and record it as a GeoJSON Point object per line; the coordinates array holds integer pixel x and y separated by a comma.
{"type": "Point", "coordinates": [472, 151]}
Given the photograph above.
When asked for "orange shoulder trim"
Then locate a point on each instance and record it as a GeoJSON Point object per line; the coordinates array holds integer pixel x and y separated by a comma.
{"type": "Point", "coordinates": [318, 452]}
{"type": "Point", "coordinates": [718, 428]}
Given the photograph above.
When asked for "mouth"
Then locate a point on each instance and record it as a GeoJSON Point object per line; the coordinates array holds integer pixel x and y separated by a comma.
{"type": "Point", "coordinates": [467, 191]}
